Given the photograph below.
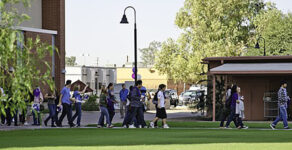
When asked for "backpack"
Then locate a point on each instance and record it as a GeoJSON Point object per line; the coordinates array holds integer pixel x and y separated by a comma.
{"type": "Point", "coordinates": [228, 102]}
{"type": "Point", "coordinates": [155, 98]}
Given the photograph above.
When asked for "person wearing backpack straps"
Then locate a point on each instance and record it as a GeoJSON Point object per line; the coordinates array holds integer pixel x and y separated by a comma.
{"type": "Point", "coordinates": [233, 98]}
{"type": "Point", "coordinates": [161, 112]}
{"type": "Point", "coordinates": [225, 111]}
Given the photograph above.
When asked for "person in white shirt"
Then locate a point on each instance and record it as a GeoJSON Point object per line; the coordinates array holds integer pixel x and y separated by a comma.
{"type": "Point", "coordinates": [161, 112]}
{"type": "Point", "coordinates": [239, 111]}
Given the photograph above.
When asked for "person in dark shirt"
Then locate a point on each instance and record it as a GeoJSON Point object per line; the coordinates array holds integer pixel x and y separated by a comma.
{"type": "Point", "coordinates": [51, 98]}
{"type": "Point", "coordinates": [111, 101]}
{"type": "Point", "coordinates": [103, 109]}
{"type": "Point", "coordinates": [136, 105]}
{"type": "Point", "coordinates": [234, 98]}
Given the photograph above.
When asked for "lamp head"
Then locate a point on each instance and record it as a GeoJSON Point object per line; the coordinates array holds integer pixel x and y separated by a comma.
{"type": "Point", "coordinates": [257, 45]}
{"type": "Point", "coordinates": [124, 20]}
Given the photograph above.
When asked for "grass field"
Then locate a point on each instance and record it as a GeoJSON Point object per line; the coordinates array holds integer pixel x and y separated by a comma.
{"type": "Point", "coordinates": [143, 139]}
{"type": "Point", "coordinates": [207, 124]}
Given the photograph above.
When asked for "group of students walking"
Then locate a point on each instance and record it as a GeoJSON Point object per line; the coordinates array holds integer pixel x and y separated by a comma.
{"type": "Point", "coordinates": [56, 104]}
{"type": "Point", "coordinates": [131, 106]}
{"type": "Point", "coordinates": [233, 109]}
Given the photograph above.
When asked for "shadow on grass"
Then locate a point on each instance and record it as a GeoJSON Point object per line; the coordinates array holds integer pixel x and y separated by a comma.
{"type": "Point", "coordinates": [127, 137]}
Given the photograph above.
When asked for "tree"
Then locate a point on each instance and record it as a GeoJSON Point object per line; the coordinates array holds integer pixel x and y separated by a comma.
{"type": "Point", "coordinates": [210, 28]}
{"type": "Point", "coordinates": [276, 28]}
{"type": "Point", "coordinates": [149, 53]}
{"type": "Point", "coordinates": [70, 61]}
{"type": "Point", "coordinates": [20, 65]}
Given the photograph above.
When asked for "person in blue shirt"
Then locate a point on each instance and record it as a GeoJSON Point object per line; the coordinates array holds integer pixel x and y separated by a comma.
{"type": "Point", "coordinates": [77, 95]}
{"type": "Point", "coordinates": [123, 100]}
{"type": "Point", "coordinates": [66, 102]}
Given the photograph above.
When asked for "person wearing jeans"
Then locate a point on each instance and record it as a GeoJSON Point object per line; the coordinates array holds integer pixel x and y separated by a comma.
{"type": "Point", "coordinates": [111, 101]}
{"type": "Point", "coordinates": [103, 110]}
{"type": "Point", "coordinates": [52, 109]}
{"type": "Point", "coordinates": [38, 99]}
{"type": "Point", "coordinates": [78, 103]}
{"type": "Point", "coordinates": [283, 99]}
{"type": "Point", "coordinates": [123, 100]}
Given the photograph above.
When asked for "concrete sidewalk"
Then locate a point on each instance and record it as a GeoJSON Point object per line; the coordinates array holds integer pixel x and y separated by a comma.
{"type": "Point", "coordinates": [91, 117]}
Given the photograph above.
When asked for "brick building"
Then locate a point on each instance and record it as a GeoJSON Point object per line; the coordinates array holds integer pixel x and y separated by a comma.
{"type": "Point", "coordinates": [48, 22]}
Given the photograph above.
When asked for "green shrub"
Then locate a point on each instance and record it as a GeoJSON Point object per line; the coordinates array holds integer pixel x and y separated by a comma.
{"type": "Point", "coordinates": [91, 104]}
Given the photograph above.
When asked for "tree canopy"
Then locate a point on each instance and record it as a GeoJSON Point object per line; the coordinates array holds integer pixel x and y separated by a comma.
{"type": "Point", "coordinates": [212, 28]}
{"type": "Point", "coordinates": [149, 54]}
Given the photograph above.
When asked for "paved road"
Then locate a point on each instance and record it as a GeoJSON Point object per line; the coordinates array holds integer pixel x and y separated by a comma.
{"type": "Point", "coordinates": [91, 117]}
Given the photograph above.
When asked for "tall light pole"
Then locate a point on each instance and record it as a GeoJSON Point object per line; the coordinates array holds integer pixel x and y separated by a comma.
{"type": "Point", "coordinates": [125, 21]}
{"type": "Point", "coordinates": [258, 45]}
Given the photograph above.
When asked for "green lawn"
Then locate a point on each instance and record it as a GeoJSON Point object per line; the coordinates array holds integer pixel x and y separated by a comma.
{"type": "Point", "coordinates": [144, 139]}
{"type": "Point", "coordinates": [207, 124]}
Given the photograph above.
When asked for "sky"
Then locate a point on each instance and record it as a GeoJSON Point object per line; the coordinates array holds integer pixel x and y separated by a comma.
{"type": "Point", "coordinates": [93, 29]}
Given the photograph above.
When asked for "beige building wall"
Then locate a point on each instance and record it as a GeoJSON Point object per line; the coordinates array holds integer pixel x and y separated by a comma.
{"type": "Point", "coordinates": [150, 77]}
{"type": "Point", "coordinates": [34, 11]}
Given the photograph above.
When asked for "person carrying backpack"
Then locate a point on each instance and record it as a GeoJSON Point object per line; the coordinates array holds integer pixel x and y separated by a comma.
{"type": "Point", "coordinates": [160, 111]}
{"type": "Point", "coordinates": [233, 98]}
{"type": "Point", "coordinates": [226, 108]}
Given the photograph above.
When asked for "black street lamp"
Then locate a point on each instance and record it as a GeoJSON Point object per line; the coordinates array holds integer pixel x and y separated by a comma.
{"type": "Point", "coordinates": [257, 46]}
{"type": "Point", "coordinates": [125, 21]}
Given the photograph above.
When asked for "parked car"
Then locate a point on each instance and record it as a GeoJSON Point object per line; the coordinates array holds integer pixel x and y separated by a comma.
{"type": "Point", "coordinates": [172, 96]}
{"type": "Point", "coordinates": [181, 98]}
{"type": "Point", "coordinates": [190, 96]}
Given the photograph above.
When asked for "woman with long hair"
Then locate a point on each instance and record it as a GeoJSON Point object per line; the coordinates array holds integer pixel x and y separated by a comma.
{"type": "Point", "coordinates": [103, 109]}
{"type": "Point", "coordinates": [51, 98]}
{"type": "Point", "coordinates": [234, 98]}
{"type": "Point", "coordinates": [160, 111]}
{"type": "Point", "coordinates": [110, 101]}
{"type": "Point", "coordinates": [77, 95]}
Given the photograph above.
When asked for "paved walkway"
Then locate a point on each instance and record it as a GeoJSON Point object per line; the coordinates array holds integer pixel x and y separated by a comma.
{"type": "Point", "coordinates": [91, 117]}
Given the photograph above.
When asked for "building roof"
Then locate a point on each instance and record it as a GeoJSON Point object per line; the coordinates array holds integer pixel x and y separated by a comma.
{"type": "Point", "coordinates": [249, 59]}
{"type": "Point", "coordinates": [82, 86]}
{"type": "Point", "coordinates": [252, 68]}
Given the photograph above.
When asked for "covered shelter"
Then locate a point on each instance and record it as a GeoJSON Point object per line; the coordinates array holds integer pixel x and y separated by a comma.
{"type": "Point", "coordinates": [259, 78]}
{"type": "Point", "coordinates": [82, 86]}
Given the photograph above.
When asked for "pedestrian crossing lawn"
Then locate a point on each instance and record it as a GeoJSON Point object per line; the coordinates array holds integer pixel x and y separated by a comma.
{"type": "Point", "coordinates": [145, 139]}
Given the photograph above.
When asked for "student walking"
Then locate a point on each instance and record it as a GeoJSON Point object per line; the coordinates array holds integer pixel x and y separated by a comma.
{"type": "Point", "coordinates": [226, 108]}
{"type": "Point", "coordinates": [283, 99]}
{"type": "Point", "coordinates": [66, 102]}
{"type": "Point", "coordinates": [123, 100]}
{"type": "Point", "coordinates": [234, 98]}
{"type": "Point", "coordinates": [161, 112]}
{"type": "Point", "coordinates": [239, 111]}
{"type": "Point", "coordinates": [51, 98]}
{"type": "Point", "coordinates": [38, 99]}
{"type": "Point", "coordinates": [111, 101]}
{"type": "Point", "coordinates": [77, 95]}
{"type": "Point", "coordinates": [128, 108]}
{"type": "Point", "coordinates": [136, 105]}
{"type": "Point", "coordinates": [103, 110]}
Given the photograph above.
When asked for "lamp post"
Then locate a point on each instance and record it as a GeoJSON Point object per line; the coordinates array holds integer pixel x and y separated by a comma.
{"type": "Point", "coordinates": [258, 45]}
{"type": "Point", "coordinates": [125, 21]}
